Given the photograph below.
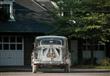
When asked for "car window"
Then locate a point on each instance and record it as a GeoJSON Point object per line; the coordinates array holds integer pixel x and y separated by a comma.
{"type": "Point", "coordinates": [51, 41]}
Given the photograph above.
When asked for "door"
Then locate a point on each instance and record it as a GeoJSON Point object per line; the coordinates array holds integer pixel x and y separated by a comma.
{"type": "Point", "coordinates": [11, 51]}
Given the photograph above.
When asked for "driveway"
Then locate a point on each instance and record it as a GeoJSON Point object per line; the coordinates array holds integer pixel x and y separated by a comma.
{"type": "Point", "coordinates": [51, 74]}
{"type": "Point", "coordinates": [54, 72]}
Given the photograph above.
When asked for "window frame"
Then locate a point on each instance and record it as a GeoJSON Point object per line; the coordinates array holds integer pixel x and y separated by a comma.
{"type": "Point", "coordinates": [9, 43]}
{"type": "Point", "coordinates": [11, 9]}
{"type": "Point", "coordinates": [86, 46]}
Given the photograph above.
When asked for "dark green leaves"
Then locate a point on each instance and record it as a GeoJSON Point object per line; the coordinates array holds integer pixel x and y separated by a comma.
{"type": "Point", "coordinates": [92, 18]}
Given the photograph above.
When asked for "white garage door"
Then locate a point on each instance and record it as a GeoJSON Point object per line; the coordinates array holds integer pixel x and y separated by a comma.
{"type": "Point", "coordinates": [11, 51]}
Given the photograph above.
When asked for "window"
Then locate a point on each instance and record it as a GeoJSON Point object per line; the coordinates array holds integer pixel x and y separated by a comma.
{"type": "Point", "coordinates": [48, 42]}
{"type": "Point", "coordinates": [12, 47]}
{"type": "Point", "coordinates": [6, 10]}
{"type": "Point", "coordinates": [19, 39]}
{"type": "Point", "coordinates": [86, 46]}
{"type": "Point", "coordinates": [12, 39]}
{"type": "Point", "coordinates": [19, 46]}
{"type": "Point", "coordinates": [0, 46]}
{"type": "Point", "coordinates": [5, 39]}
{"type": "Point", "coordinates": [101, 47]}
{"type": "Point", "coordinates": [11, 43]}
{"type": "Point", "coordinates": [5, 46]}
{"type": "Point", "coordinates": [0, 39]}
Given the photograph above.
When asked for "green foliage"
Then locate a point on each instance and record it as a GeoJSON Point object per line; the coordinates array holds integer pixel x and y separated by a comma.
{"type": "Point", "coordinates": [105, 62]}
{"type": "Point", "coordinates": [102, 67]}
{"type": "Point", "coordinates": [91, 16]}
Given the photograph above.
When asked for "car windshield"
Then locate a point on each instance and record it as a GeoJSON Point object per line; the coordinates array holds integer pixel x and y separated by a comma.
{"type": "Point", "coordinates": [51, 41]}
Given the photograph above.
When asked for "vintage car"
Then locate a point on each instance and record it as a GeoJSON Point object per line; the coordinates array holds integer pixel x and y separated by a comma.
{"type": "Point", "coordinates": [50, 51]}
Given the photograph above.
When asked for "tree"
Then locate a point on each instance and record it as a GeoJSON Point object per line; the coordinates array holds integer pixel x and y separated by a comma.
{"type": "Point", "coordinates": [91, 20]}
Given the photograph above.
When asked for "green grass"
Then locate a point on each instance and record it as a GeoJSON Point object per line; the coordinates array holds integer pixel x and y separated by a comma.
{"type": "Point", "coordinates": [102, 67]}
{"type": "Point", "coordinates": [91, 67]}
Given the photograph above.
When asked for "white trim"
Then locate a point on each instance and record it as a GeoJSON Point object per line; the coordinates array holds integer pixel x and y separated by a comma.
{"type": "Point", "coordinates": [9, 43]}
{"type": "Point", "coordinates": [11, 13]}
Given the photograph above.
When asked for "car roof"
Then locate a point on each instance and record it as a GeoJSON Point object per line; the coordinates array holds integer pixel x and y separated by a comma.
{"type": "Point", "coordinates": [51, 36]}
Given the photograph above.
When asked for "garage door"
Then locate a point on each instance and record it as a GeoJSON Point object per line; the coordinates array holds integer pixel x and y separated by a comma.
{"type": "Point", "coordinates": [11, 51]}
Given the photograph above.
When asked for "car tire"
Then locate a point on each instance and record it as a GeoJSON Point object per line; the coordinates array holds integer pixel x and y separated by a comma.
{"type": "Point", "coordinates": [67, 68]}
{"type": "Point", "coordinates": [34, 68]}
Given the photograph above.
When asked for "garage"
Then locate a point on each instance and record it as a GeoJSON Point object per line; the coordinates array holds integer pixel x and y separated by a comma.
{"type": "Point", "coordinates": [11, 51]}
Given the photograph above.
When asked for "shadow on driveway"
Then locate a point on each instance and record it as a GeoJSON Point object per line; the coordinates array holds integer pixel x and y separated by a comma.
{"type": "Point", "coordinates": [51, 70]}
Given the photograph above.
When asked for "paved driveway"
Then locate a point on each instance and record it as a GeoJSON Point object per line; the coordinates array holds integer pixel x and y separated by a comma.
{"type": "Point", "coordinates": [26, 71]}
{"type": "Point", "coordinates": [51, 74]}
{"type": "Point", "coordinates": [54, 72]}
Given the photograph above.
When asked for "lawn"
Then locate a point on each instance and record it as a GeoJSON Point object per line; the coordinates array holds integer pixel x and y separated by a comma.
{"type": "Point", "coordinates": [91, 67]}
{"type": "Point", "coordinates": [102, 67]}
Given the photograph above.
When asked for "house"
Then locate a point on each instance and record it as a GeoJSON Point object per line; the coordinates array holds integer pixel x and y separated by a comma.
{"type": "Point", "coordinates": [23, 21]}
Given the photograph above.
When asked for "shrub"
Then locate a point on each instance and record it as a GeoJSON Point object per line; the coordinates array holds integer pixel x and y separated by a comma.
{"type": "Point", "coordinates": [105, 62]}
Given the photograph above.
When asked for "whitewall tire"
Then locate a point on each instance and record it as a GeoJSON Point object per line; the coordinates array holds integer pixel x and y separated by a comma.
{"type": "Point", "coordinates": [34, 68]}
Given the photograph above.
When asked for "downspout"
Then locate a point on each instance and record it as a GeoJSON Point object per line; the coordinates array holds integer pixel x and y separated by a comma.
{"type": "Point", "coordinates": [11, 13]}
